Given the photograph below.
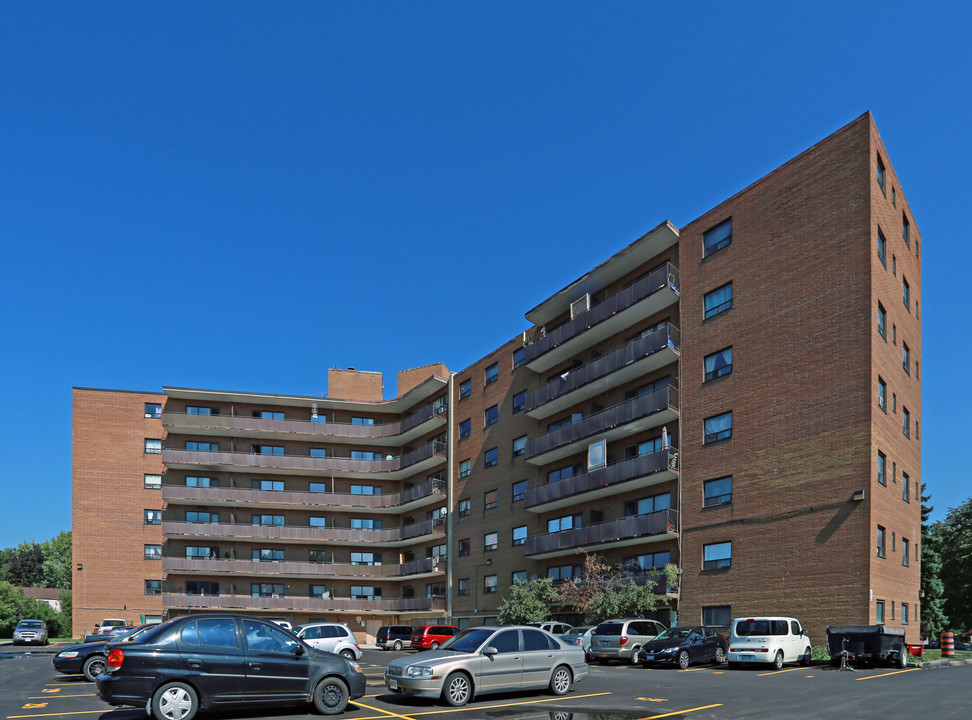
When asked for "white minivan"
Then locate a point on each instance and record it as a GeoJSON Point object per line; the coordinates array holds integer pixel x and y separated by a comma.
{"type": "Point", "coordinates": [772, 640]}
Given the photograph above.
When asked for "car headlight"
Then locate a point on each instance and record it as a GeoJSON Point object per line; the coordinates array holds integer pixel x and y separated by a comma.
{"type": "Point", "coordinates": [68, 654]}
{"type": "Point", "coordinates": [418, 671]}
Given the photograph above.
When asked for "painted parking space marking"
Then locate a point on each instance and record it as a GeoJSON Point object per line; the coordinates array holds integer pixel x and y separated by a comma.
{"type": "Point", "coordinates": [777, 672]}
{"type": "Point", "coordinates": [896, 672]}
{"type": "Point", "coordinates": [78, 712]}
{"type": "Point", "coordinates": [681, 712]}
{"type": "Point", "coordinates": [58, 697]}
{"type": "Point", "coordinates": [387, 712]}
{"type": "Point", "coordinates": [477, 707]}
{"type": "Point", "coordinates": [51, 690]}
{"type": "Point", "coordinates": [645, 699]}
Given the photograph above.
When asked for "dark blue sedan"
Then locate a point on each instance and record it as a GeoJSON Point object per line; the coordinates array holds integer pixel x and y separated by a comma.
{"type": "Point", "coordinates": [91, 658]}
{"type": "Point", "coordinates": [682, 646]}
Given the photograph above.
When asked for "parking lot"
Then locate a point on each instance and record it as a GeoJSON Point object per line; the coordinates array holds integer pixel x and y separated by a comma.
{"type": "Point", "coordinates": [29, 688]}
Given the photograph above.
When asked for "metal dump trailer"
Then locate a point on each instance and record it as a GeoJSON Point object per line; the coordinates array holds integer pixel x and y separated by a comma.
{"type": "Point", "coordinates": [868, 643]}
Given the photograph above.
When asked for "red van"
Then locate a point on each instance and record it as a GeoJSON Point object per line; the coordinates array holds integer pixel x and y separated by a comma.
{"type": "Point", "coordinates": [429, 637]}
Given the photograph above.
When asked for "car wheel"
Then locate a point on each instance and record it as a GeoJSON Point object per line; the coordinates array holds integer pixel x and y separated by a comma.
{"type": "Point", "coordinates": [778, 660]}
{"type": "Point", "coordinates": [397, 645]}
{"type": "Point", "coordinates": [94, 666]}
{"type": "Point", "coordinates": [684, 660]}
{"type": "Point", "coordinates": [633, 659]}
{"type": "Point", "coordinates": [347, 654]}
{"type": "Point", "coordinates": [457, 689]}
{"type": "Point", "coordinates": [560, 682]}
{"type": "Point", "coordinates": [903, 658]}
{"type": "Point", "coordinates": [331, 696]}
{"type": "Point", "coordinates": [807, 657]}
{"type": "Point", "coordinates": [720, 656]}
{"type": "Point", "coordinates": [434, 646]}
{"type": "Point", "coordinates": [175, 701]}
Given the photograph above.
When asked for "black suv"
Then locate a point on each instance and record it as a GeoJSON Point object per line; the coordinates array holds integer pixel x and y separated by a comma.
{"type": "Point", "coordinates": [394, 636]}
{"type": "Point", "coordinates": [201, 662]}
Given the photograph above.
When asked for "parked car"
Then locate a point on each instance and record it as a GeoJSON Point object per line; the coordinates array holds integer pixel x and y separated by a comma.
{"type": "Point", "coordinates": [285, 624]}
{"type": "Point", "coordinates": [430, 637]}
{"type": "Point", "coordinates": [394, 636]}
{"type": "Point", "coordinates": [106, 625]}
{"type": "Point", "coordinates": [30, 632]}
{"type": "Point", "coordinates": [773, 640]}
{"type": "Point", "coordinates": [579, 636]}
{"type": "Point", "coordinates": [332, 637]}
{"type": "Point", "coordinates": [554, 628]}
{"type": "Point", "coordinates": [91, 658]}
{"type": "Point", "coordinates": [200, 662]}
{"type": "Point", "coordinates": [683, 646]}
{"type": "Point", "coordinates": [622, 639]}
{"type": "Point", "coordinates": [484, 660]}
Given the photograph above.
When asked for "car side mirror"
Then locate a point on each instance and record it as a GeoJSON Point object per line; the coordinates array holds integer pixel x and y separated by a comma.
{"type": "Point", "coordinates": [490, 651]}
{"type": "Point", "coordinates": [299, 650]}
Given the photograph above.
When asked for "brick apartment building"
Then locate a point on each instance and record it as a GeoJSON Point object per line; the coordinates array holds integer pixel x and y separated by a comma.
{"type": "Point", "coordinates": [740, 397]}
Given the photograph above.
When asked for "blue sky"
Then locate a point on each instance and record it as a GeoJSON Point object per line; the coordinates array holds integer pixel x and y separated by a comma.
{"type": "Point", "coordinates": [243, 195]}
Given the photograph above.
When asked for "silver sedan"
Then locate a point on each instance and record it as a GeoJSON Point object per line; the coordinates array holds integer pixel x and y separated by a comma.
{"type": "Point", "coordinates": [489, 659]}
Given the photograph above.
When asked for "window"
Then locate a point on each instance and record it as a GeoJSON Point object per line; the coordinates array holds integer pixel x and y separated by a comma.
{"type": "Point", "coordinates": [881, 547]}
{"type": "Point", "coordinates": [561, 524]}
{"type": "Point", "coordinates": [906, 293]}
{"type": "Point", "coordinates": [491, 415]}
{"type": "Point", "coordinates": [882, 248]}
{"type": "Point", "coordinates": [718, 427]}
{"type": "Point", "coordinates": [519, 401]}
{"type": "Point", "coordinates": [882, 468]}
{"type": "Point", "coordinates": [894, 265]}
{"type": "Point", "coordinates": [269, 520]}
{"type": "Point", "coordinates": [882, 394]}
{"type": "Point", "coordinates": [717, 238]}
{"type": "Point", "coordinates": [362, 421]}
{"type": "Point", "coordinates": [563, 473]}
{"type": "Point", "coordinates": [662, 501]}
{"type": "Point", "coordinates": [905, 421]}
{"type": "Point", "coordinates": [269, 590]}
{"type": "Point", "coordinates": [365, 592]}
{"type": "Point", "coordinates": [718, 364]}
{"type": "Point", "coordinates": [465, 388]}
{"type": "Point", "coordinates": [905, 487]}
{"type": "Point", "coordinates": [318, 521]}
{"type": "Point", "coordinates": [153, 587]}
{"type": "Point", "coordinates": [519, 490]}
{"type": "Point", "coordinates": [318, 452]}
{"type": "Point", "coordinates": [644, 564]}
{"type": "Point", "coordinates": [465, 428]}
{"type": "Point", "coordinates": [267, 449]}
{"type": "Point", "coordinates": [268, 414]}
{"type": "Point", "coordinates": [717, 615]}
{"type": "Point", "coordinates": [492, 374]}
{"type": "Point", "coordinates": [597, 454]}
{"type": "Point", "coordinates": [318, 557]}
{"type": "Point", "coordinates": [489, 584]}
{"type": "Point", "coordinates": [153, 552]}
{"type": "Point", "coordinates": [719, 300]}
{"type": "Point", "coordinates": [905, 556]}
{"type": "Point", "coordinates": [518, 576]}
{"type": "Point", "coordinates": [717, 555]}
{"type": "Point", "coordinates": [464, 547]}
{"type": "Point", "coordinates": [365, 558]}
{"type": "Point", "coordinates": [519, 357]}
{"type": "Point", "coordinates": [266, 555]}
{"type": "Point", "coordinates": [153, 447]}
{"type": "Point", "coordinates": [153, 410]}
{"type": "Point", "coordinates": [465, 468]}
{"type": "Point", "coordinates": [718, 491]}
{"type": "Point", "coordinates": [565, 422]}
{"type": "Point", "coordinates": [490, 541]}
{"type": "Point", "coordinates": [904, 613]}
{"type": "Point", "coordinates": [463, 586]}
{"type": "Point", "coordinates": [906, 358]}
{"type": "Point", "coordinates": [153, 517]}
{"type": "Point", "coordinates": [881, 175]}
{"type": "Point", "coordinates": [883, 321]}
{"type": "Point", "coordinates": [879, 612]}
{"type": "Point", "coordinates": [519, 535]}
{"type": "Point", "coordinates": [519, 446]}
{"type": "Point", "coordinates": [194, 516]}
{"type": "Point", "coordinates": [200, 552]}
{"type": "Point", "coordinates": [492, 457]}
{"type": "Point", "coordinates": [200, 446]}
{"type": "Point", "coordinates": [365, 524]}
{"type": "Point", "coordinates": [465, 506]}
{"type": "Point", "coordinates": [564, 572]}
{"type": "Point", "coordinates": [906, 229]}
{"type": "Point", "coordinates": [268, 485]}
{"type": "Point", "coordinates": [365, 455]}
{"type": "Point", "coordinates": [197, 410]}
{"type": "Point", "coordinates": [490, 499]}
{"type": "Point", "coordinates": [153, 482]}
{"type": "Point", "coordinates": [894, 334]}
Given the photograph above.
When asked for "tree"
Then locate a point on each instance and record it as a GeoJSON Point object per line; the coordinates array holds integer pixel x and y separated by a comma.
{"type": "Point", "coordinates": [933, 618]}
{"type": "Point", "coordinates": [26, 565]}
{"type": "Point", "coordinates": [15, 606]}
{"type": "Point", "coordinates": [604, 591]}
{"type": "Point", "coordinates": [56, 568]}
{"type": "Point", "coordinates": [954, 537]}
{"type": "Point", "coordinates": [528, 602]}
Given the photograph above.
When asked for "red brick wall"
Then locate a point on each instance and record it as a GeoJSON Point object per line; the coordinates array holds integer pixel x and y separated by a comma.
{"type": "Point", "coordinates": [409, 379]}
{"type": "Point", "coordinates": [354, 385]}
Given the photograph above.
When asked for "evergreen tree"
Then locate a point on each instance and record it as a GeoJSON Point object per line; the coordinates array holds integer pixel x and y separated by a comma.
{"type": "Point", "coordinates": [933, 618]}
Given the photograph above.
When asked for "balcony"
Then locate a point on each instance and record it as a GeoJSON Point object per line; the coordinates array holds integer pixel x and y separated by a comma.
{"type": "Point", "coordinates": [633, 360]}
{"type": "Point", "coordinates": [653, 527]}
{"type": "Point", "coordinates": [422, 460]}
{"type": "Point", "coordinates": [181, 601]}
{"type": "Point", "coordinates": [625, 419]}
{"type": "Point", "coordinates": [640, 472]}
{"type": "Point", "coordinates": [414, 570]}
{"type": "Point", "coordinates": [393, 434]}
{"type": "Point", "coordinates": [641, 300]}
{"type": "Point", "coordinates": [402, 536]}
{"type": "Point", "coordinates": [431, 492]}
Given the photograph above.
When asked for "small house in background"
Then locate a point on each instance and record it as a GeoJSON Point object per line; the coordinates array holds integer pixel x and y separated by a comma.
{"type": "Point", "coordinates": [48, 595]}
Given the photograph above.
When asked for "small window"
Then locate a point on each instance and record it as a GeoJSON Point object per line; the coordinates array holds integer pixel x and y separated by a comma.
{"type": "Point", "coordinates": [905, 422]}
{"type": "Point", "coordinates": [465, 507]}
{"type": "Point", "coordinates": [464, 546]}
{"type": "Point", "coordinates": [718, 427]}
{"type": "Point", "coordinates": [465, 388]}
{"type": "Point", "coordinates": [906, 293]}
{"type": "Point", "coordinates": [153, 552]}
{"type": "Point", "coordinates": [906, 358]}
{"type": "Point", "coordinates": [490, 541]}
{"type": "Point", "coordinates": [904, 613]}
{"type": "Point", "coordinates": [906, 229]}
{"type": "Point", "coordinates": [318, 452]}
{"type": "Point", "coordinates": [519, 357]}
{"type": "Point", "coordinates": [519, 535]}
{"type": "Point", "coordinates": [153, 587]}
{"type": "Point", "coordinates": [879, 612]}
{"type": "Point", "coordinates": [490, 499]}
{"type": "Point", "coordinates": [153, 517]}
{"type": "Point", "coordinates": [153, 447]}
{"type": "Point", "coordinates": [882, 468]}
{"type": "Point", "coordinates": [881, 175]}
{"type": "Point", "coordinates": [153, 410]}
{"type": "Point", "coordinates": [717, 555]}
{"type": "Point", "coordinates": [717, 615]}
{"type": "Point", "coordinates": [491, 415]}
{"type": "Point", "coordinates": [198, 410]}
{"type": "Point", "coordinates": [201, 446]}
{"type": "Point", "coordinates": [717, 238]}
{"type": "Point", "coordinates": [153, 482]}
{"type": "Point", "coordinates": [518, 576]}
{"type": "Point", "coordinates": [881, 541]}
{"type": "Point", "coordinates": [519, 446]}
{"type": "Point", "coordinates": [882, 321]}
{"type": "Point", "coordinates": [905, 487]}
{"type": "Point", "coordinates": [492, 374]}
{"type": "Point", "coordinates": [718, 364]}
{"type": "Point", "coordinates": [905, 556]}
{"type": "Point", "coordinates": [492, 457]}
{"type": "Point", "coordinates": [362, 421]}
{"type": "Point", "coordinates": [519, 402]}
{"type": "Point", "coordinates": [882, 394]}
{"type": "Point", "coordinates": [519, 490]}
{"type": "Point", "coordinates": [463, 586]}
{"type": "Point", "coordinates": [882, 248]}
{"type": "Point", "coordinates": [718, 491]}
{"type": "Point", "coordinates": [718, 301]}
{"type": "Point", "coordinates": [465, 468]}
{"type": "Point", "coordinates": [489, 584]}
{"type": "Point", "coordinates": [465, 428]}
{"type": "Point", "coordinates": [597, 455]}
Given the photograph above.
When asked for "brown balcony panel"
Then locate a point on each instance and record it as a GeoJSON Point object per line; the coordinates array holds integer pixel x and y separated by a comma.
{"type": "Point", "coordinates": [649, 528]}
{"type": "Point", "coordinates": [635, 359]}
{"type": "Point", "coordinates": [246, 603]}
{"type": "Point", "coordinates": [391, 537]}
{"type": "Point", "coordinates": [637, 302]}
{"type": "Point", "coordinates": [622, 420]}
{"type": "Point", "coordinates": [243, 567]}
{"type": "Point", "coordinates": [640, 472]}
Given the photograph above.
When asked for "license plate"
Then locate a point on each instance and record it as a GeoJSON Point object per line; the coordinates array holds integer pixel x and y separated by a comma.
{"type": "Point", "coordinates": [747, 658]}
{"type": "Point", "coordinates": [603, 643]}
{"type": "Point", "coordinates": [649, 657]}
{"type": "Point", "coordinates": [393, 684]}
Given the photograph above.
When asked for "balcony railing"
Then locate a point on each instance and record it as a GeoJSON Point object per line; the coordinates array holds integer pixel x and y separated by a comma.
{"type": "Point", "coordinates": [607, 476]}
{"type": "Point", "coordinates": [658, 279]}
{"type": "Point", "coordinates": [659, 339]}
{"type": "Point", "coordinates": [302, 500]}
{"type": "Point", "coordinates": [344, 535]}
{"type": "Point", "coordinates": [225, 566]}
{"type": "Point", "coordinates": [332, 604]}
{"type": "Point", "coordinates": [660, 522]}
{"type": "Point", "coordinates": [629, 411]}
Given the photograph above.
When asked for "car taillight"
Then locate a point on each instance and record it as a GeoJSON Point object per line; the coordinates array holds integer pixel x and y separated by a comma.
{"type": "Point", "coordinates": [624, 639]}
{"type": "Point", "coordinates": [115, 658]}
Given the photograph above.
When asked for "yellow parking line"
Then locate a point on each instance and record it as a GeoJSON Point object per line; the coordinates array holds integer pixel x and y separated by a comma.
{"type": "Point", "coordinates": [681, 712]}
{"type": "Point", "coordinates": [387, 712]}
{"type": "Point", "coordinates": [896, 672]}
{"type": "Point", "coordinates": [78, 712]}
{"type": "Point", "coordinates": [479, 707]}
{"type": "Point", "coordinates": [57, 697]}
{"type": "Point", "coordinates": [777, 672]}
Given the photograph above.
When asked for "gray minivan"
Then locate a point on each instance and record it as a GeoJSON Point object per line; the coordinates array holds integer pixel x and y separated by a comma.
{"type": "Point", "coordinates": [394, 636]}
{"type": "Point", "coordinates": [622, 639]}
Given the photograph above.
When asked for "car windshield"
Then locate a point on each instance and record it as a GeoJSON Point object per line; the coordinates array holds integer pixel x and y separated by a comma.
{"type": "Point", "coordinates": [468, 640]}
{"type": "Point", "coordinates": [576, 632]}
{"type": "Point", "coordinates": [609, 628]}
{"type": "Point", "coordinates": [675, 633]}
{"type": "Point", "coordinates": [29, 624]}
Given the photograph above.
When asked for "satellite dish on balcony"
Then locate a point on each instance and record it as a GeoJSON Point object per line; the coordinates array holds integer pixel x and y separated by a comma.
{"type": "Point", "coordinates": [388, 457]}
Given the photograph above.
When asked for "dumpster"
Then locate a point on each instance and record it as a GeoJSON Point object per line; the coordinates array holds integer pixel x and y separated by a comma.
{"type": "Point", "coordinates": [868, 643]}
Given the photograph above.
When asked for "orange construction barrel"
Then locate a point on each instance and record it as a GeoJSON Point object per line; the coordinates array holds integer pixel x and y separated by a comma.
{"type": "Point", "coordinates": [948, 644]}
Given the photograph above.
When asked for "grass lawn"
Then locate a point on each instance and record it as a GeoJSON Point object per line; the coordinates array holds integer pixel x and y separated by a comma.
{"type": "Point", "coordinates": [937, 655]}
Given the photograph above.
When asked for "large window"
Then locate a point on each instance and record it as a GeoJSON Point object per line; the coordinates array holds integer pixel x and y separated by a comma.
{"type": "Point", "coordinates": [153, 410]}
{"type": "Point", "coordinates": [465, 468]}
{"type": "Point", "coordinates": [153, 552]}
{"type": "Point", "coordinates": [519, 445]}
{"type": "Point", "coordinates": [491, 374]}
{"type": "Point", "coordinates": [717, 555]}
{"type": "Point", "coordinates": [197, 410]}
{"type": "Point", "coordinates": [153, 587]}
{"type": "Point", "coordinates": [564, 572]}
{"type": "Point", "coordinates": [563, 473]}
{"type": "Point", "coordinates": [268, 414]}
{"type": "Point", "coordinates": [153, 482]}
{"type": "Point", "coordinates": [362, 421]}
{"type": "Point", "coordinates": [717, 238]}
{"type": "Point", "coordinates": [718, 364]}
{"type": "Point", "coordinates": [365, 455]}
{"type": "Point", "coordinates": [718, 491]}
{"type": "Point", "coordinates": [197, 516]}
{"type": "Point", "coordinates": [267, 590]}
{"type": "Point", "coordinates": [365, 490]}
{"type": "Point", "coordinates": [879, 612]}
{"type": "Point", "coordinates": [519, 357]}
{"type": "Point", "coordinates": [365, 558]}
{"type": "Point", "coordinates": [561, 524]}
{"type": "Point", "coordinates": [201, 446]}
{"type": "Point", "coordinates": [662, 501]}
{"type": "Point", "coordinates": [267, 449]}
{"type": "Point", "coordinates": [153, 517]}
{"type": "Point", "coordinates": [318, 452]}
{"type": "Point", "coordinates": [905, 557]}
{"type": "Point", "coordinates": [463, 586]}
{"type": "Point", "coordinates": [153, 446]}
{"type": "Point", "coordinates": [319, 557]}
{"type": "Point", "coordinates": [492, 457]}
{"type": "Point", "coordinates": [719, 300]}
{"type": "Point", "coordinates": [365, 524]}
{"type": "Point", "coordinates": [490, 541]}
{"type": "Point", "coordinates": [645, 564]}
{"type": "Point", "coordinates": [200, 552]}
{"type": "Point", "coordinates": [718, 427]}
{"type": "Point", "coordinates": [274, 520]}
{"type": "Point", "coordinates": [465, 428]}
{"type": "Point", "coordinates": [266, 555]}
{"type": "Point", "coordinates": [491, 415]}
{"type": "Point", "coordinates": [268, 485]}
{"type": "Point", "coordinates": [565, 422]}
{"type": "Point", "coordinates": [519, 535]}
{"type": "Point", "coordinates": [717, 615]}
